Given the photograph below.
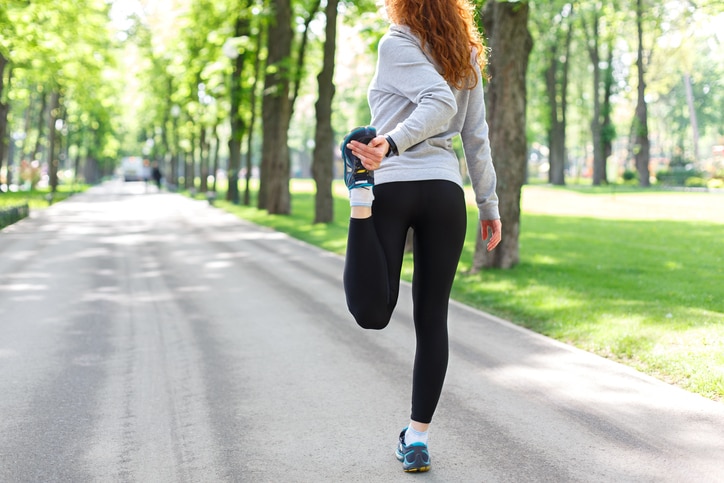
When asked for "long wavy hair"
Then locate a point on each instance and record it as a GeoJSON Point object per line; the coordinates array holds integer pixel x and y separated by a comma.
{"type": "Point", "coordinates": [448, 33]}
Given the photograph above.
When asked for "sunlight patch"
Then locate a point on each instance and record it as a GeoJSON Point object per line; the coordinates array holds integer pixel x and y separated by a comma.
{"type": "Point", "coordinates": [8, 353]}
{"type": "Point", "coordinates": [217, 264]}
{"type": "Point", "coordinates": [23, 287]}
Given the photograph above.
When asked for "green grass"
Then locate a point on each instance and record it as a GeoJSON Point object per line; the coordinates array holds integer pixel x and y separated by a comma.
{"type": "Point", "coordinates": [649, 294]}
{"type": "Point", "coordinates": [632, 291]}
{"type": "Point", "coordinates": [37, 198]}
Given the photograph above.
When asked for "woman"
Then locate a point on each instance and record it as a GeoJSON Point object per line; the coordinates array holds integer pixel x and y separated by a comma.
{"type": "Point", "coordinates": [426, 90]}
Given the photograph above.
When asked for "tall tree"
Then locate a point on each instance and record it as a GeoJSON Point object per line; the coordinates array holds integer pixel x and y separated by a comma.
{"type": "Point", "coordinates": [506, 26]}
{"type": "Point", "coordinates": [53, 116]}
{"type": "Point", "coordinates": [299, 68]}
{"type": "Point", "coordinates": [7, 34]}
{"type": "Point", "coordinates": [323, 161]}
{"type": "Point", "coordinates": [274, 193]}
{"type": "Point", "coordinates": [71, 64]}
{"type": "Point", "coordinates": [642, 146]}
{"type": "Point", "coordinates": [591, 21]}
{"type": "Point", "coordinates": [4, 105]}
{"type": "Point", "coordinates": [556, 80]}
{"type": "Point", "coordinates": [255, 86]}
{"type": "Point", "coordinates": [282, 79]}
{"type": "Point", "coordinates": [241, 28]}
{"type": "Point", "coordinates": [692, 114]}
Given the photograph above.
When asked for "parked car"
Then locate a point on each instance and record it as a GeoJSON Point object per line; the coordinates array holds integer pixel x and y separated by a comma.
{"type": "Point", "coordinates": [133, 169]}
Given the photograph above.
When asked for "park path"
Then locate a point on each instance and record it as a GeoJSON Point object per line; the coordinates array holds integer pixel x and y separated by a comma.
{"type": "Point", "coordinates": [148, 337]}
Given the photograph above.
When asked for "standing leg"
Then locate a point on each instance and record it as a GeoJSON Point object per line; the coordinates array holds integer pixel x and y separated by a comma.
{"type": "Point", "coordinates": [439, 239]}
{"type": "Point", "coordinates": [438, 217]}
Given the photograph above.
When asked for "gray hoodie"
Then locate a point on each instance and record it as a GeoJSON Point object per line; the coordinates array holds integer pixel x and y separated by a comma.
{"type": "Point", "coordinates": [412, 103]}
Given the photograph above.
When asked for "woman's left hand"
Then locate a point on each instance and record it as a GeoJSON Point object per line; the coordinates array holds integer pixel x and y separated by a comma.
{"type": "Point", "coordinates": [495, 229]}
{"type": "Point", "coordinates": [372, 154]}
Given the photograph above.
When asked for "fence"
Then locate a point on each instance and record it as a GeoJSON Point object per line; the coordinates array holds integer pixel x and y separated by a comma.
{"type": "Point", "coordinates": [11, 214]}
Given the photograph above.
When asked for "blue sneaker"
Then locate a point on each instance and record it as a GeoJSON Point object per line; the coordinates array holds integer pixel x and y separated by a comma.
{"type": "Point", "coordinates": [414, 458]}
{"type": "Point", "coordinates": [356, 175]}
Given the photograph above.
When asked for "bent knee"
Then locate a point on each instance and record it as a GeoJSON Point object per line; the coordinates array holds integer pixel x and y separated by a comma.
{"type": "Point", "coordinates": [372, 320]}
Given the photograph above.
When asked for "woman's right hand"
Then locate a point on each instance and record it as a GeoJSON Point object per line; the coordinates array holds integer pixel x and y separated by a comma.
{"type": "Point", "coordinates": [372, 154]}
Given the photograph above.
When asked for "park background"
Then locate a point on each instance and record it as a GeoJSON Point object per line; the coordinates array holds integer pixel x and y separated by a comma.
{"type": "Point", "coordinates": [607, 127]}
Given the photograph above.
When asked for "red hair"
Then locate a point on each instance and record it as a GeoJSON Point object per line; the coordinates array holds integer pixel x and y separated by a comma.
{"type": "Point", "coordinates": [448, 33]}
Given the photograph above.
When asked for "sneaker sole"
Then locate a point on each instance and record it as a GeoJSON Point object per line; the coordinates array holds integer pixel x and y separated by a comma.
{"type": "Point", "coordinates": [401, 458]}
{"type": "Point", "coordinates": [363, 134]}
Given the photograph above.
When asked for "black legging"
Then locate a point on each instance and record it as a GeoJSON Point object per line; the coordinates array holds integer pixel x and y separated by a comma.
{"type": "Point", "coordinates": [435, 210]}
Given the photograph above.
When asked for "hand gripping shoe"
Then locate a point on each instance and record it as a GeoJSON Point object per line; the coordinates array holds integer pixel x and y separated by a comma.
{"type": "Point", "coordinates": [355, 174]}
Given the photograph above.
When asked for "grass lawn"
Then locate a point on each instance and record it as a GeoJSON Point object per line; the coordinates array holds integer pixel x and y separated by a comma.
{"type": "Point", "coordinates": [647, 293]}
{"type": "Point", "coordinates": [37, 198]}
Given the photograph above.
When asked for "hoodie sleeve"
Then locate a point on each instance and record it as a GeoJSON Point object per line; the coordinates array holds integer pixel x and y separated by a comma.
{"type": "Point", "coordinates": [476, 145]}
{"type": "Point", "coordinates": [404, 70]}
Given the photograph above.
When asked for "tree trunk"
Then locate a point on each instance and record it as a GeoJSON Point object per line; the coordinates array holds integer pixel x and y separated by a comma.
{"type": "Point", "coordinates": [557, 89]}
{"type": "Point", "coordinates": [4, 109]}
{"type": "Point", "coordinates": [599, 159]}
{"type": "Point", "coordinates": [91, 172]}
{"type": "Point", "coordinates": [77, 168]}
{"type": "Point", "coordinates": [642, 145]}
{"type": "Point", "coordinates": [19, 150]}
{"type": "Point", "coordinates": [550, 78]}
{"type": "Point", "coordinates": [237, 122]}
{"type": "Point", "coordinates": [215, 162]}
{"type": "Point", "coordinates": [52, 158]}
{"type": "Point", "coordinates": [323, 160]}
{"type": "Point", "coordinates": [562, 151]}
{"type": "Point", "coordinates": [165, 162]}
{"type": "Point", "coordinates": [41, 124]}
{"type": "Point", "coordinates": [27, 123]}
{"type": "Point", "coordinates": [252, 118]}
{"type": "Point", "coordinates": [182, 166]}
{"type": "Point", "coordinates": [692, 115]}
{"type": "Point", "coordinates": [506, 24]}
{"type": "Point", "coordinates": [276, 112]}
{"type": "Point", "coordinates": [173, 178]}
{"type": "Point", "coordinates": [608, 130]}
{"type": "Point", "coordinates": [91, 168]}
{"type": "Point", "coordinates": [190, 167]}
{"type": "Point", "coordinates": [204, 151]}
{"type": "Point", "coordinates": [556, 131]}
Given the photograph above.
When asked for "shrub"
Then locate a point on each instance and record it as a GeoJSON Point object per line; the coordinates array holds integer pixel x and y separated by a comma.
{"type": "Point", "coordinates": [715, 184]}
{"type": "Point", "coordinates": [677, 176]}
{"type": "Point", "coordinates": [630, 175]}
{"type": "Point", "coordinates": [695, 182]}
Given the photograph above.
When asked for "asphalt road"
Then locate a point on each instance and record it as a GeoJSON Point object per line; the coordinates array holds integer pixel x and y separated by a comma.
{"type": "Point", "coordinates": [146, 337]}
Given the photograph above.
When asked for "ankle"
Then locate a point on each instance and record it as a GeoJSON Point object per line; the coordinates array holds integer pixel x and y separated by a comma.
{"type": "Point", "coordinates": [360, 212]}
{"type": "Point", "coordinates": [414, 436]}
{"type": "Point", "coordinates": [417, 426]}
{"type": "Point", "coordinates": [361, 196]}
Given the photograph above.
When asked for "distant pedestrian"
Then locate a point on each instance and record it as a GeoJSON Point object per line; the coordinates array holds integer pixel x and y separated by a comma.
{"type": "Point", "coordinates": [403, 173]}
{"type": "Point", "coordinates": [157, 175]}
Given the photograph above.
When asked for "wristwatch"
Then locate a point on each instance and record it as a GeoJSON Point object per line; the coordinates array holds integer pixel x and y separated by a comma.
{"type": "Point", "coordinates": [393, 147]}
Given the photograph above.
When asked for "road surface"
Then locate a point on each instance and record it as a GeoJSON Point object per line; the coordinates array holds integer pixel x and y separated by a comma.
{"type": "Point", "coordinates": [146, 337]}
